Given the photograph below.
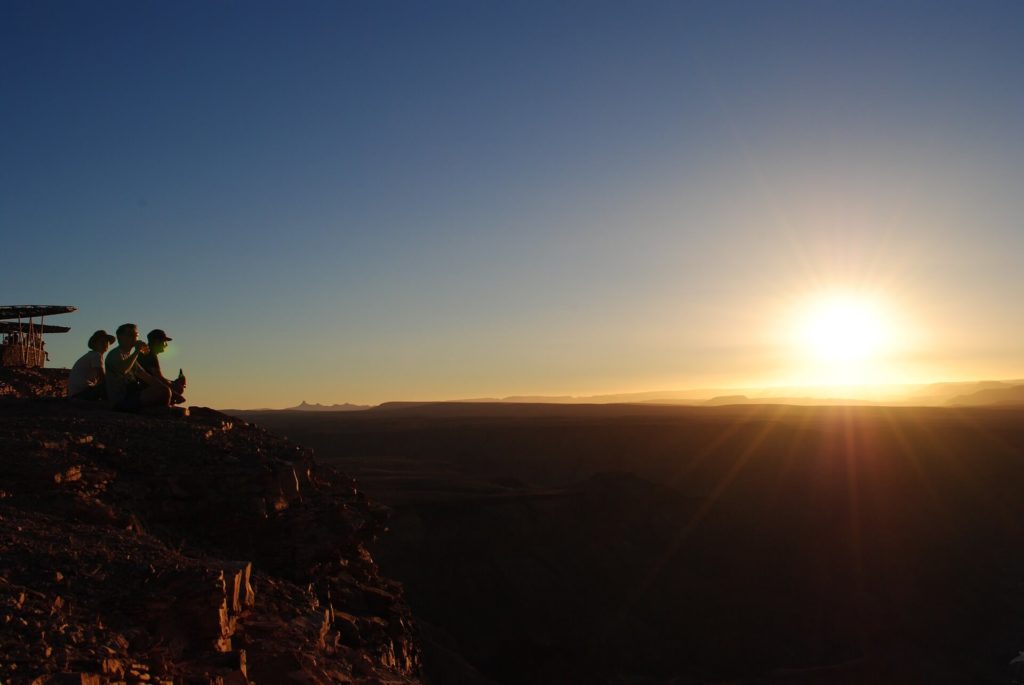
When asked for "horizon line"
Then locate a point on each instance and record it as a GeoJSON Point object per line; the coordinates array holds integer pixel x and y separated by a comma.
{"type": "Point", "coordinates": [706, 394]}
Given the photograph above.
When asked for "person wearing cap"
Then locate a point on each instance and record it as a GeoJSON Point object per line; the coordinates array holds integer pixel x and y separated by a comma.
{"type": "Point", "coordinates": [85, 382]}
{"type": "Point", "coordinates": [150, 362]}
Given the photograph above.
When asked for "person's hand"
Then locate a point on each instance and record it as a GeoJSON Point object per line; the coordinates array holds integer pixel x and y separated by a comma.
{"type": "Point", "coordinates": [142, 347]}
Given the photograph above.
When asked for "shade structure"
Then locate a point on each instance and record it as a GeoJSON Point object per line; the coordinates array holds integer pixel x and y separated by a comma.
{"type": "Point", "coordinates": [28, 311]}
{"type": "Point", "coordinates": [15, 327]}
{"type": "Point", "coordinates": [22, 343]}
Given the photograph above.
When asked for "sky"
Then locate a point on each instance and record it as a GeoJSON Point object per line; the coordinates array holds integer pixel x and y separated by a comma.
{"type": "Point", "coordinates": [373, 201]}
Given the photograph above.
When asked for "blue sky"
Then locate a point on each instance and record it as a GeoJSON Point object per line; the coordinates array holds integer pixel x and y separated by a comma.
{"type": "Point", "coordinates": [341, 201]}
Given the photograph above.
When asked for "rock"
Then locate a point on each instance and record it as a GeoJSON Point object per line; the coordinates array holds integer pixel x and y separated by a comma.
{"type": "Point", "coordinates": [185, 549]}
{"type": "Point", "coordinates": [33, 382]}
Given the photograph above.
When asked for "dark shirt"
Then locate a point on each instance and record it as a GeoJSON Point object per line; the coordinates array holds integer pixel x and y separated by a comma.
{"type": "Point", "coordinates": [150, 363]}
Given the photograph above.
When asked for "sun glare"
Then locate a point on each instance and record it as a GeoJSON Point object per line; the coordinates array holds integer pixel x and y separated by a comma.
{"type": "Point", "coordinates": [843, 329]}
{"type": "Point", "coordinates": [843, 339]}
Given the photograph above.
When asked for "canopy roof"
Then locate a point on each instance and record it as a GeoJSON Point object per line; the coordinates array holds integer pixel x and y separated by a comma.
{"type": "Point", "coordinates": [15, 327]}
{"type": "Point", "coordinates": [27, 311]}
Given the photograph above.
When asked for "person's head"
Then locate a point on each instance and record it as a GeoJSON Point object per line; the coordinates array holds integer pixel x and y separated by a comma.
{"type": "Point", "coordinates": [101, 341]}
{"type": "Point", "coordinates": [127, 334]}
{"type": "Point", "coordinates": [158, 340]}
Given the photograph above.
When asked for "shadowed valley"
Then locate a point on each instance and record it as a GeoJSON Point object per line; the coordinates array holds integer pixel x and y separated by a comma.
{"type": "Point", "coordinates": [625, 543]}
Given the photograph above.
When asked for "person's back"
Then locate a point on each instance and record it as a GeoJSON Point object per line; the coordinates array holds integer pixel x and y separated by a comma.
{"type": "Point", "coordinates": [83, 373]}
{"type": "Point", "coordinates": [119, 377]}
{"type": "Point", "coordinates": [86, 380]}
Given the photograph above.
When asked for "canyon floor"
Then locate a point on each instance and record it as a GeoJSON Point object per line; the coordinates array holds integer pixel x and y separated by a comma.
{"type": "Point", "coordinates": [648, 544]}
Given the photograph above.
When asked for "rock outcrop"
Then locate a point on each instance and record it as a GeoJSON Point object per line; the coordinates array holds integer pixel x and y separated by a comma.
{"type": "Point", "coordinates": [185, 549]}
{"type": "Point", "coordinates": [32, 382]}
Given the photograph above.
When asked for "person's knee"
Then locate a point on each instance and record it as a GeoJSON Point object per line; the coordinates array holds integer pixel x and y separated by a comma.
{"type": "Point", "coordinates": [156, 396]}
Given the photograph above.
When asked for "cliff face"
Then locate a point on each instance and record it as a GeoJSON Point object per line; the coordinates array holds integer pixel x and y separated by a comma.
{"type": "Point", "coordinates": [180, 549]}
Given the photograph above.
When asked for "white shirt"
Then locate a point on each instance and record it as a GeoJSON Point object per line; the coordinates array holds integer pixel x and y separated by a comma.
{"type": "Point", "coordinates": [82, 374]}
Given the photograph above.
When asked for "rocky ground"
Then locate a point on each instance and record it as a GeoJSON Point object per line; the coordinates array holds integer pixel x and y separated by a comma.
{"type": "Point", "coordinates": [24, 382]}
{"type": "Point", "coordinates": [185, 549]}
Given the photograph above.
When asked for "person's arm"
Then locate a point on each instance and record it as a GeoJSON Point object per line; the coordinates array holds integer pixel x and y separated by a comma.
{"type": "Point", "coordinates": [147, 377]}
{"type": "Point", "coordinates": [160, 376]}
{"type": "Point", "coordinates": [129, 362]}
{"type": "Point", "coordinates": [156, 372]}
{"type": "Point", "coordinates": [123, 366]}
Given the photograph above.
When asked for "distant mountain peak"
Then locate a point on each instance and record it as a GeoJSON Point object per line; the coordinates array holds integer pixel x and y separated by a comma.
{"type": "Point", "coordinates": [306, 406]}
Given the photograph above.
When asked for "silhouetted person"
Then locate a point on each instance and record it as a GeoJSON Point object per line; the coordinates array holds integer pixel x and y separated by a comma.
{"type": "Point", "coordinates": [129, 386]}
{"type": "Point", "coordinates": [150, 362]}
{"type": "Point", "coordinates": [86, 380]}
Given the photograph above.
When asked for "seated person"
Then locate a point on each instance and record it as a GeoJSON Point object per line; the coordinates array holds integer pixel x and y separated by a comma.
{"type": "Point", "coordinates": [86, 379]}
{"type": "Point", "coordinates": [150, 363]}
{"type": "Point", "coordinates": [129, 387]}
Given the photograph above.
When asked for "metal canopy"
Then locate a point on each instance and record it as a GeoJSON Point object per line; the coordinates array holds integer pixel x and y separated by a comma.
{"type": "Point", "coordinates": [15, 327]}
{"type": "Point", "coordinates": [28, 311]}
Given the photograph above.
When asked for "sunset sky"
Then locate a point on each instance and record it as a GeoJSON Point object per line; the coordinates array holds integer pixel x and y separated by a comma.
{"type": "Point", "coordinates": [371, 201]}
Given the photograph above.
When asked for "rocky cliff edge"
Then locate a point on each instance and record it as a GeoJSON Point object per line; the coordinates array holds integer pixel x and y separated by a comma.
{"type": "Point", "coordinates": [185, 549]}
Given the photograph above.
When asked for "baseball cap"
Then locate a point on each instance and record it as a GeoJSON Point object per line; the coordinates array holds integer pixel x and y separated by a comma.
{"type": "Point", "coordinates": [157, 334]}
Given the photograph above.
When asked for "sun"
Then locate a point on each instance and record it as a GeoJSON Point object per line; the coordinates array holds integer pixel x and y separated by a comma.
{"type": "Point", "coordinates": [842, 328]}
{"type": "Point", "coordinates": [842, 338]}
